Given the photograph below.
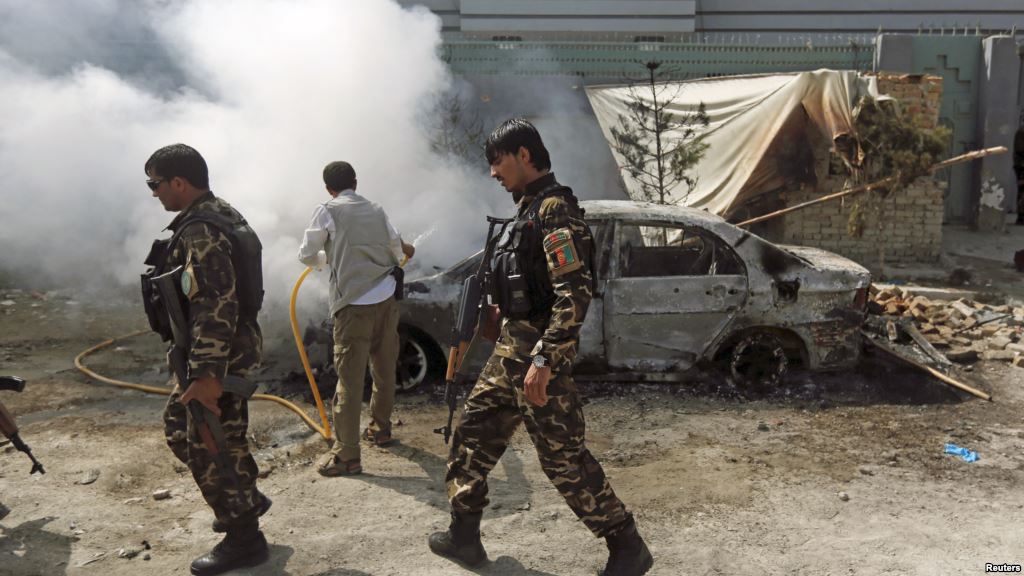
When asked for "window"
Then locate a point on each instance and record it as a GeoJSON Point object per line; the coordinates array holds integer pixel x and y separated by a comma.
{"type": "Point", "coordinates": [651, 250]}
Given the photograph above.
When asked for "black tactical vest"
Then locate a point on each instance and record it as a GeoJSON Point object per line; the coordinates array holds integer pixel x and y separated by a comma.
{"type": "Point", "coordinates": [522, 287]}
{"type": "Point", "coordinates": [246, 259]}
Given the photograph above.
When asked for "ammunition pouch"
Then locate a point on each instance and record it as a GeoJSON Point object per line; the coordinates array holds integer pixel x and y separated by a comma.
{"type": "Point", "coordinates": [522, 287]}
{"type": "Point", "coordinates": [156, 311]}
{"type": "Point", "coordinates": [510, 291]}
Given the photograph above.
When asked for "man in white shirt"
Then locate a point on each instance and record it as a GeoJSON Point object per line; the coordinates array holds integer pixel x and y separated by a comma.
{"type": "Point", "coordinates": [355, 239]}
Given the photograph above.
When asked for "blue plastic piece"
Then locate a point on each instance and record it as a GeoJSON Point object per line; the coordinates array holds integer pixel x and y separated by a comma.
{"type": "Point", "coordinates": [964, 453]}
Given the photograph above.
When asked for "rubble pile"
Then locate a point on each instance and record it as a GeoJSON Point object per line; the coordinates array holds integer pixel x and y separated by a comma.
{"type": "Point", "coordinates": [962, 330]}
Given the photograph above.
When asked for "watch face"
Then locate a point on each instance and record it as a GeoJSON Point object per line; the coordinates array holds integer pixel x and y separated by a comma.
{"type": "Point", "coordinates": [540, 361]}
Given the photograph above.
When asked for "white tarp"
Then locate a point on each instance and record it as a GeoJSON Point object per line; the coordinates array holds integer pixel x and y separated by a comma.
{"type": "Point", "coordinates": [746, 115]}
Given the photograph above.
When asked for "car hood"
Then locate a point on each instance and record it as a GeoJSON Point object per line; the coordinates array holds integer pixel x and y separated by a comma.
{"type": "Point", "coordinates": [436, 288]}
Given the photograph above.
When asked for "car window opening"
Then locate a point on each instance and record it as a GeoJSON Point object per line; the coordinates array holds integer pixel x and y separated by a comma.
{"type": "Point", "coordinates": [656, 251]}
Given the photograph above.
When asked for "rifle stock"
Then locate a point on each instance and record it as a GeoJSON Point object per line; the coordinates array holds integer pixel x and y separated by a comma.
{"type": "Point", "coordinates": [10, 428]}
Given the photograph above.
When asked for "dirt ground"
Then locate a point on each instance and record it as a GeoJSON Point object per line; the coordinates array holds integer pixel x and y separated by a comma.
{"type": "Point", "coordinates": [836, 474]}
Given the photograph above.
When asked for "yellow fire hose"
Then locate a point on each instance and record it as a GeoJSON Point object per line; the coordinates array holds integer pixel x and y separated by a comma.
{"type": "Point", "coordinates": [324, 430]}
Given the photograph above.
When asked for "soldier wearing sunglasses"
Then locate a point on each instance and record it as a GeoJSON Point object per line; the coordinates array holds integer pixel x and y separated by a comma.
{"type": "Point", "coordinates": [221, 294]}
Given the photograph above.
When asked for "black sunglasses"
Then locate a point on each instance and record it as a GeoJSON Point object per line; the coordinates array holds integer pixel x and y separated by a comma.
{"type": "Point", "coordinates": [154, 184]}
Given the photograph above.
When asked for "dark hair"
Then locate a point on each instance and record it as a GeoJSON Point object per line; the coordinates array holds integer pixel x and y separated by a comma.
{"type": "Point", "coordinates": [513, 134]}
{"type": "Point", "coordinates": [180, 160]}
{"type": "Point", "coordinates": [339, 176]}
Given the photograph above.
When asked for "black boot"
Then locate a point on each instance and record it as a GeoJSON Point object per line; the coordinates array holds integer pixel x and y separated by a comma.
{"type": "Point", "coordinates": [627, 553]}
{"type": "Point", "coordinates": [262, 506]}
{"type": "Point", "coordinates": [462, 540]}
{"type": "Point", "coordinates": [242, 547]}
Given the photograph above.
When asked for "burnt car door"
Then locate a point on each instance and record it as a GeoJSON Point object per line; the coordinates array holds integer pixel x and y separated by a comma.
{"type": "Point", "coordinates": [672, 288]}
{"type": "Point", "coordinates": [591, 355]}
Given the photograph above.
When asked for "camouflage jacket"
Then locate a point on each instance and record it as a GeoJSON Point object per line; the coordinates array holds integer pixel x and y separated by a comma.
{"type": "Point", "coordinates": [222, 343]}
{"type": "Point", "coordinates": [555, 336]}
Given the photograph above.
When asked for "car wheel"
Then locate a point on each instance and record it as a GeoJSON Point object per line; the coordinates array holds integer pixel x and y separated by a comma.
{"type": "Point", "coordinates": [758, 362]}
{"type": "Point", "coordinates": [413, 363]}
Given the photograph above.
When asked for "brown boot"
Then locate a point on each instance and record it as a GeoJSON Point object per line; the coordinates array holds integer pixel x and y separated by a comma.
{"type": "Point", "coordinates": [461, 541]}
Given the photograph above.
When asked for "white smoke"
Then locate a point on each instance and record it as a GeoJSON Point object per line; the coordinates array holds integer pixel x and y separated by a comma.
{"type": "Point", "coordinates": [269, 91]}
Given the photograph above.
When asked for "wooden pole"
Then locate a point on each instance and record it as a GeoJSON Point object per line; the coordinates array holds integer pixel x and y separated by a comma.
{"type": "Point", "coordinates": [942, 377]}
{"type": "Point", "coordinates": [879, 184]}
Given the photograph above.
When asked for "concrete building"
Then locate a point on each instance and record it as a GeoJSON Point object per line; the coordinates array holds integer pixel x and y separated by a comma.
{"type": "Point", "coordinates": [766, 21]}
{"type": "Point", "coordinates": [554, 46]}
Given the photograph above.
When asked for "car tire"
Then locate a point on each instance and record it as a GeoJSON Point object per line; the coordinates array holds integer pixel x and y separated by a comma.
{"type": "Point", "coordinates": [758, 362]}
{"type": "Point", "coordinates": [419, 360]}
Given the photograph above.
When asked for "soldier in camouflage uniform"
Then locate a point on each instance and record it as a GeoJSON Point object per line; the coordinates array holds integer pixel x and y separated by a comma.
{"type": "Point", "coordinates": [225, 339]}
{"type": "Point", "coordinates": [528, 377]}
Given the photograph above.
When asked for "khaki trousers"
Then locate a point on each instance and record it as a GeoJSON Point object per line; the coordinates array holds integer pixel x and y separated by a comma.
{"type": "Point", "coordinates": [363, 333]}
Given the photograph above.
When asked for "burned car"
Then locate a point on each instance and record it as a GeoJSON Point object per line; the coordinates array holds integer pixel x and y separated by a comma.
{"type": "Point", "coordinates": [678, 287]}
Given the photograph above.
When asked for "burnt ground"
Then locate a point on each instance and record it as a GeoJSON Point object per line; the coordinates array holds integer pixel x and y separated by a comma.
{"type": "Point", "coordinates": [833, 474]}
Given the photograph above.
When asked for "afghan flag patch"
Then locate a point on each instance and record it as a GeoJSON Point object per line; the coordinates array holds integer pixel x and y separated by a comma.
{"type": "Point", "coordinates": [561, 252]}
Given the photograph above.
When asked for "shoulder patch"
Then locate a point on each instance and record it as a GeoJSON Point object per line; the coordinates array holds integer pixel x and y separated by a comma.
{"type": "Point", "coordinates": [561, 253]}
{"type": "Point", "coordinates": [189, 283]}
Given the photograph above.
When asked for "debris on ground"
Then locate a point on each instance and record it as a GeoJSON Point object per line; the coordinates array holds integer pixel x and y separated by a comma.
{"type": "Point", "coordinates": [961, 330]}
{"type": "Point", "coordinates": [88, 478]}
{"type": "Point", "coordinates": [162, 494]}
{"type": "Point", "coordinates": [963, 453]}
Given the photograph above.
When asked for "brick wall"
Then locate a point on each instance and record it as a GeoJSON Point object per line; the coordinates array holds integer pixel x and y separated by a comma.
{"type": "Point", "coordinates": [911, 230]}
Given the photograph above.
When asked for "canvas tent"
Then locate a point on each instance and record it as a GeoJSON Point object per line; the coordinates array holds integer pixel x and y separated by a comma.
{"type": "Point", "coordinates": [748, 114]}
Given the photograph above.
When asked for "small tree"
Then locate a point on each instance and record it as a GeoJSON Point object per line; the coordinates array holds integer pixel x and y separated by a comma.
{"type": "Point", "coordinates": [888, 144]}
{"type": "Point", "coordinates": [659, 146]}
{"type": "Point", "coordinates": [454, 132]}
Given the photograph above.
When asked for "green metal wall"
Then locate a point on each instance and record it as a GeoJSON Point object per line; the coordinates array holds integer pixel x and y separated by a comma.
{"type": "Point", "coordinates": [619, 61]}
{"type": "Point", "coordinates": [958, 60]}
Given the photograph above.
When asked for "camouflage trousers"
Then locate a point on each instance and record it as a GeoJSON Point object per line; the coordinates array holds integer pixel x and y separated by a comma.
{"type": "Point", "coordinates": [491, 415]}
{"type": "Point", "coordinates": [230, 503]}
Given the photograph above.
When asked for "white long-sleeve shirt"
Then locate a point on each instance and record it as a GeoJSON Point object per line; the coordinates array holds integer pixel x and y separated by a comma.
{"type": "Point", "coordinates": [321, 228]}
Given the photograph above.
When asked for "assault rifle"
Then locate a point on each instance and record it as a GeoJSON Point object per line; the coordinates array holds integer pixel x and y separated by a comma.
{"type": "Point", "coordinates": [206, 423]}
{"type": "Point", "coordinates": [474, 297]}
{"type": "Point", "coordinates": [10, 428]}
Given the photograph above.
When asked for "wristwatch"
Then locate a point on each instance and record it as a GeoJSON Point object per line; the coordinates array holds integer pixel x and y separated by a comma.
{"type": "Point", "coordinates": [540, 361]}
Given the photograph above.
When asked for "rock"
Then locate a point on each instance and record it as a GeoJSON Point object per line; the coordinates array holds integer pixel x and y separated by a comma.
{"type": "Point", "coordinates": [146, 556]}
{"type": "Point", "coordinates": [762, 426]}
{"type": "Point", "coordinates": [7, 303]}
{"type": "Point", "coordinates": [1018, 361]}
{"type": "Point", "coordinates": [162, 494]}
{"type": "Point", "coordinates": [844, 496]}
{"type": "Point", "coordinates": [266, 469]}
{"type": "Point", "coordinates": [866, 471]}
{"type": "Point", "coordinates": [998, 343]}
{"type": "Point", "coordinates": [962, 355]}
{"type": "Point", "coordinates": [963, 308]}
{"type": "Point", "coordinates": [133, 500]}
{"type": "Point", "coordinates": [88, 478]}
{"type": "Point", "coordinates": [989, 330]}
{"type": "Point", "coordinates": [997, 355]}
{"type": "Point", "coordinates": [128, 553]}
{"type": "Point", "coordinates": [959, 341]}
{"type": "Point", "coordinates": [180, 467]}
{"type": "Point", "coordinates": [523, 507]}
{"type": "Point", "coordinates": [1015, 347]}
